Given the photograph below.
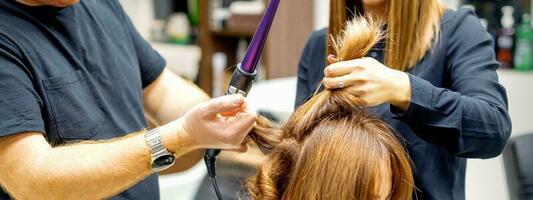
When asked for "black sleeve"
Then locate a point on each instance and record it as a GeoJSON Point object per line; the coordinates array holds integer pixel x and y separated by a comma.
{"type": "Point", "coordinates": [151, 63]}
{"type": "Point", "coordinates": [303, 93]}
{"type": "Point", "coordinates": [20, 105]}
{"type": "Point", "coordinates": [470, 118]}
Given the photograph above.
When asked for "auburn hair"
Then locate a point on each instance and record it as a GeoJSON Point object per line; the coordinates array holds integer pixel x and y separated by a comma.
{"type": "Point", "coordinates": [330, 148]}
{"type": "Point", "coordinates": [413, 27]}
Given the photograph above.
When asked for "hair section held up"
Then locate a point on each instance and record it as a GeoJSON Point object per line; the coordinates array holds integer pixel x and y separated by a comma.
{"type": "Point", "coordinates": [360, 35]}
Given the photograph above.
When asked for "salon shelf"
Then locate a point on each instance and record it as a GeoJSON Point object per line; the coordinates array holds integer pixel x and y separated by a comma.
{"type": "Point", "coordinates": [181, 59]}
{"type": "Point", "coordinates": [293, 24]}
{"type": "Point", "coordinates": [233, 33]}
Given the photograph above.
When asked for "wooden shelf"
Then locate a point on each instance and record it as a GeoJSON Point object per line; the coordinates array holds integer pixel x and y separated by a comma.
{"type": "Point", "coordinates": [293, 23]}
{"type": "Point", "coordinates": [234, 33]}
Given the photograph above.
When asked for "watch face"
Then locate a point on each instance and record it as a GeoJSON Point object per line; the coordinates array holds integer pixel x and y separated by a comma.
{"type": "Point", "coordinates": [163, 162]}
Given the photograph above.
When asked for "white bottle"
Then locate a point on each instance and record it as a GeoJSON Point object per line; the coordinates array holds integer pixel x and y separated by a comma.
{"type": "Point", "coordinates": [505, 41]}
{"type": "Point", "coordinates": [507, 18]}
{"type": "Point", "coordinates": [220, 62]}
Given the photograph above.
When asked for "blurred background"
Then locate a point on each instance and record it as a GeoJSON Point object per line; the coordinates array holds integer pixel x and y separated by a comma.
{"type": "Point", "coordinates": [202, 39]}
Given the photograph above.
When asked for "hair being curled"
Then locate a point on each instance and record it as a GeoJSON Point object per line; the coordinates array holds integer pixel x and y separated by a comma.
{"type": "Point", "coordinates": [330, 148]}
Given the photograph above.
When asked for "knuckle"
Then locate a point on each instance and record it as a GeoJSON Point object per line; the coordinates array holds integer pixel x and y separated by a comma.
{"type": "Point", "coordinates": [367, 91]}
{"type": "Point", "coordinates": [362, 92]}
{"type": "Point", "coordinates": [327, 83]}
{"type": "Point", "coordinates": [364, 77]}
{"type": "Point", "coordinates": [359, 78]}
{"type": "Point", "coordinates": [201, 109]}
{"type": "Point", "coordinates": [218, 104]}
{"type": "Point", "coordinates": [330, 84]}
{"type": "Point", "coordinates": [327, 71]}
{"type": "Point", "coordinates": [253, 116]}
{"type": "Point", "coordinates": [358, 68]}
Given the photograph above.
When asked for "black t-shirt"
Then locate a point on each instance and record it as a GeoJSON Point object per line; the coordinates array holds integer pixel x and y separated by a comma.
{"type": "Point", "coordinates": [74, 73]}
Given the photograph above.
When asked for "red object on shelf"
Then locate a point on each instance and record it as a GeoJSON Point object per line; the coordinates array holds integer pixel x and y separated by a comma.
{"type": "Point", "coordinates": [246, 23]}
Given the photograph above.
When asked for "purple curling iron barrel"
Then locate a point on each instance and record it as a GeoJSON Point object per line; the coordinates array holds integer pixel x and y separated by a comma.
{"type": "Point", "coordinates": [242, 78]}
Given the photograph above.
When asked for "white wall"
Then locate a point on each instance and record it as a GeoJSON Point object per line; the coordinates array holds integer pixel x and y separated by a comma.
{"type": "Point", "coordinates": [321, 13]}
{"type": "Point", "coordinates": [451, 3]}
{"type": "Point", "coordinates": [486, 179]}
{"type": "Point", "coordinates": [141, 13]}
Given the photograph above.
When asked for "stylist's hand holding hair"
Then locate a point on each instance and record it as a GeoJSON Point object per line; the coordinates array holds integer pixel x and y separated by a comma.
{"type": "Point", "coordinates": [221, 123]}
{"type": "Point", "coordinates": [369, 80]}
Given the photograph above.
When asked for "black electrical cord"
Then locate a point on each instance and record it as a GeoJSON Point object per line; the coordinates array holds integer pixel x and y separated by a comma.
{"type": "Point", "coordinates": [215, 185]}
{"type": "Point", "coordinates": [210, 158]}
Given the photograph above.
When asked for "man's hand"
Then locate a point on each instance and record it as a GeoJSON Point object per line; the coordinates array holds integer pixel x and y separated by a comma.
{"type": "Point", "coordinates": [221, 123]}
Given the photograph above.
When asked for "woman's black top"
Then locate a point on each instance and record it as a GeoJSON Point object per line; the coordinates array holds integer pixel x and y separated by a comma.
{"type": "Point", "coordinates": [458, 109]}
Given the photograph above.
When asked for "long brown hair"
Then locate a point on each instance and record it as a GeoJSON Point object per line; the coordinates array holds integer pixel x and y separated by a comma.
{"type": "Point", "coordinates": [413, 27]}
{"type": "Point", "coordinates": [330, 148]}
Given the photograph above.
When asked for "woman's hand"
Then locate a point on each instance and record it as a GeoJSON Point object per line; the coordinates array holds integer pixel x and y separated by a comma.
{"type": "Point", "coordinates": [369, 80]}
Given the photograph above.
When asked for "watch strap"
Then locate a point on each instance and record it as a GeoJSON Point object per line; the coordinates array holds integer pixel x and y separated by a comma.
{"type": "Point", "coordinates": [157, 148]}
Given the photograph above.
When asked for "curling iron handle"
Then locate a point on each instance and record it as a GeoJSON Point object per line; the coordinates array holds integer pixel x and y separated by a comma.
{"type": "Point", "coordinates": [210, 157]}
{"type": "Point", "coordinates": [212, 152]}
{"type": "Point", "coordinates": [241, 83]}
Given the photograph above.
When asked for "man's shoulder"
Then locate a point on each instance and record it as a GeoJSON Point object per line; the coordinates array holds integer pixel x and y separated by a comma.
{"type": "Point", "coordinates": [106, 7]}
{"type": "Point", "coordinates": [111, 4]}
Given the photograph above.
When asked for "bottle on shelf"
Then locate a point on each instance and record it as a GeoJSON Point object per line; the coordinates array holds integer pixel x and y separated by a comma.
{"type": "Point", "coordinates": [505, 38]}
{"type": "Point", "coordinates": [194, 12]}
{"type": "Point", "coordinates": [178, 29]}
{"type": "Point", "coordinates": [220, 61]}
{"type": "Point", "coordinates": [524, 45]}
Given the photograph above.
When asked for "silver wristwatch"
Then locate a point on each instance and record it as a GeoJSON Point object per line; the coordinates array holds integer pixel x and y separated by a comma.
{"type": "Point", "coordinates": [161, 158]}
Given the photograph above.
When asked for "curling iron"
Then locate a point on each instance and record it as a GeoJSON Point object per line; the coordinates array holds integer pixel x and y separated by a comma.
{"type": "Point", "coordinates": [243, 77]}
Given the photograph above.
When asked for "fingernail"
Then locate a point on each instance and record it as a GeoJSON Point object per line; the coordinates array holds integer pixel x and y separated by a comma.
{"type": "Point", "coordinates": [237, 100]}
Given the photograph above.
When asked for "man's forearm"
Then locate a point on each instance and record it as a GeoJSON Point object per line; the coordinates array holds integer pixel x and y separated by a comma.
{"type": "Point", "coordinates": [111, 166]}
{"type": "Point", "coordinates": [166, 99]}
{"type": "Point", "coordinates": [169, 97]}
{"type": "Point", "coordinates": [82, 171]}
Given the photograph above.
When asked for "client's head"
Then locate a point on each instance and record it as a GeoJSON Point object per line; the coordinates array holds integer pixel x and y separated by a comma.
{"type": "Point", "coordinates": [331, 149]}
